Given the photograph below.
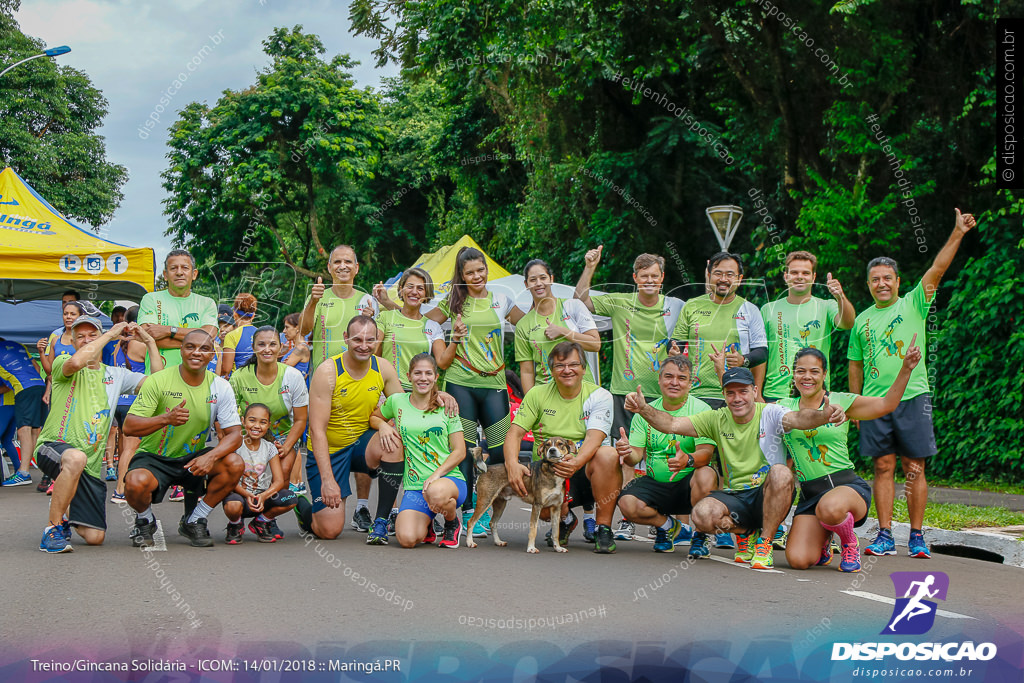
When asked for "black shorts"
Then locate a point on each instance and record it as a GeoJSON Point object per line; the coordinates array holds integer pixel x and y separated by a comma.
{"type": "Point", "coordinates": [120, 414]}
{"type": "Point", "coordinates": [809, 503]}
{"type": "Point", "coordinates": [667, 497]}
{"type": "Point", "coordinates": [169, 472]}
{"type": "Point", "coordinates": [580, 494]}
{"type": "Point", "coordinates": [746, 507]}
{"type": "Point", "coordinates": [29, 409]}
{"type": "Point", "coordinates": [351, 458]}
{"type": "Point", "coordinates": [89, 504]}
{"type": "Point", "coordinates": [622, 417]}
{"type": "Point", "coordinates": [906, 431]}
{"type": "Point", "coordinates": [285, 498]}
{"type": "Point", "coordinates": [715, 403]}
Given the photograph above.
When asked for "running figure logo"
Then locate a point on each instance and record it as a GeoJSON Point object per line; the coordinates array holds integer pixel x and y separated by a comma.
{"type": "Point", "coordinates": [914, 613]}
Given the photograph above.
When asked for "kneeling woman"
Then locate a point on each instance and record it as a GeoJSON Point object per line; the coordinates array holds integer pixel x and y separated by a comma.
{"type": "Point", "coordinates": [433, 447]}
{"type": "Point", "coordinates": [833, 499]}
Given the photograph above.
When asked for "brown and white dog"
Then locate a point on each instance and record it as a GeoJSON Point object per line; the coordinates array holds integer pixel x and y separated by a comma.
{"type": "Point", "coordinates": [545, 489]}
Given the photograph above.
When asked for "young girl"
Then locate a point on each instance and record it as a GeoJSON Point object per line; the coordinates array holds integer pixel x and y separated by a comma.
{"type": "Point", "coordinates": [262, 492]}
{"type": "Point", "coordinates": [433, 447]}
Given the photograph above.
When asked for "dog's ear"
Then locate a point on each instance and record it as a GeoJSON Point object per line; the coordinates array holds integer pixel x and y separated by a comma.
{"type": "Point", "coordinates": [479, 459]}
{"type": "Point", "coordinates": [572, 446]}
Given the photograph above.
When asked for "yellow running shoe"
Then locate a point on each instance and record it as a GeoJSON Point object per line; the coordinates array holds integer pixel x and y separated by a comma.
{"type": "Point", "coordinates": [745, 548]}
{"type": "Point", "coordinates": [762, 555]}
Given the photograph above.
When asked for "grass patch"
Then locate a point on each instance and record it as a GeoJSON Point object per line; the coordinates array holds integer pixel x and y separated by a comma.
{"type": "Point", "coordinates": [978, 485]}
{"type": "Point", "coordinates": [956, 517]}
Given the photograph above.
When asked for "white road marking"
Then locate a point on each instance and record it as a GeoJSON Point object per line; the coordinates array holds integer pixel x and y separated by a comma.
{"type": "Point", "coordinates": [892, 601]}
{"type": "Point", "coordinates": [742, 565]}
{"type": "Point", "coordinates": [159, 540]}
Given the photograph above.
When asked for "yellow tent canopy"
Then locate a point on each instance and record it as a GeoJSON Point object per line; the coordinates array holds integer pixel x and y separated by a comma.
{"type": "Point", "coordinates": [441, 265]}
{"type": "Point", "coordinates": [42, 253]}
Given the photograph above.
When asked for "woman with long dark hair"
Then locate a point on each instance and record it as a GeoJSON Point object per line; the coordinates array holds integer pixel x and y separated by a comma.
{"type": "Point", "coordinates": [405, 332]}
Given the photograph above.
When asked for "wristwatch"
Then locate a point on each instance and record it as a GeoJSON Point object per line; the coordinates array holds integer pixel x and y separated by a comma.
{"type": "Point", "coordinates": [746, 362]}
{"type": "Point", "coordinates": [689, 461]}
{"type": "Point", "coordinates": [174, 332]}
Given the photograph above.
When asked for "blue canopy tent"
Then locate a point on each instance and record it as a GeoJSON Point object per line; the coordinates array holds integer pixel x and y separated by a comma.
{"type": "Point", "coordinates": [30, 321]}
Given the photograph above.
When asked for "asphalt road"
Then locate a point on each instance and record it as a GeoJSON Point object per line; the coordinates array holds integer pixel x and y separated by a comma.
{"type": "Point", "coordinates": [459, 613]}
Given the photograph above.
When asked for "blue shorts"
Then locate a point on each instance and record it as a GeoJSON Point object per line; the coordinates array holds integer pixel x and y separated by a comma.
{"type": "Point", "coordinates": [352, 458]}
{"type": "Point", "coordinates": [414, 500]}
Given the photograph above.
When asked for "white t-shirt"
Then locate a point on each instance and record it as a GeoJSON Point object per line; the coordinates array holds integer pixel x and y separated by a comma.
{"type": "Point", "coordinates": [258, 476]}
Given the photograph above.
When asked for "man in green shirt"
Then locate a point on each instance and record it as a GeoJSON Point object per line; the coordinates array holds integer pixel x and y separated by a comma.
{"type": "Point", "coordinates": [881, 335]}
{"type": "Point", "coordinates": [801, 320]}
{"type": "Point", "coordinates": [170, 314]}
{"type": "Point", "coordinates": [174, 416]}
{"type": "Point", "coordinates": [758, 487]}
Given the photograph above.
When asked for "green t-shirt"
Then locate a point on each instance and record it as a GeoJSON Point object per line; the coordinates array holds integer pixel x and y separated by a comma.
{"type": "Point", "coordinates": [484, 346]}
{"type": "Point", "coordinates": [194, 310]}
{"type": "Point", "coordinates": [545, 413]}
{"type": "Point", "coordinates": [747, 450]}
{"type": "Point", "coordinates": [640, 337]}
{"type": "Point", "coordinates": [288, 390]}
{"type": "Point", "coordinates": [533, 345]}
{"type": "Point", "coordinates": [791, 327]}
{"type": "Point", "coordinates": [424, 438]}
{"type": "Point", "coordinates": [660, 447]}
{"type": "Point", "coordinates": [880, 337]}
{"type": "Point", "coordinates": [211, 400]}
{"type": "Point", "coordinates": [81, 407]}
{"type": "Point", "coordinates": [404, 338]}
{"type": "Point", "coordinates": [820, 451]}
{"type": "Point", "coordinates": [330, 319]}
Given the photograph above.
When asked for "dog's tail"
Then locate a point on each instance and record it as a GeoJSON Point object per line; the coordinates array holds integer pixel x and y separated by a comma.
{"type": "Point", "coordinates": [479, 459]}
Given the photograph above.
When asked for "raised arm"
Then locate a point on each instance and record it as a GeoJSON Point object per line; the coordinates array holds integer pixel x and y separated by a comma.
{"type": "Point", "coordinates": [659, 419]}
{"type": "Point", "coordinates": [309, 312]}
{"type": "Point", "coordinates": [872, 407]}
{"type": "Point", "coordinates": [92, 350]}
{"type": "Point", "coordinates": [964, 223]}
{"type": "Point", "coordinates": [847, 313]}
{"type": "Point", "coordinates": [812, 418]}
{"type": "Point", "coordinates": [591, 259]}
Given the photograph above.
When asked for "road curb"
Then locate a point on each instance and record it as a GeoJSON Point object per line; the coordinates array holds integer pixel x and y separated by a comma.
{"type": "Point", "coordinates": [1010, 549]}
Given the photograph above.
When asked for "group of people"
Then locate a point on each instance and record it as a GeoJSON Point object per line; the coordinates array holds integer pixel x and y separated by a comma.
{"type": "Point", "coordinates": [719, 417]}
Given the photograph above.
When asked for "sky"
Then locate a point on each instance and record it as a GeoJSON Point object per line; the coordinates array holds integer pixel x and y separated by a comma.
{"type": "Point", "coordinates": [134, 50]}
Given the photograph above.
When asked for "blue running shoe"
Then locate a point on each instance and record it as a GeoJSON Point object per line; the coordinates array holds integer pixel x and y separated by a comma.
{"type": "Point", "coordinates": [850, 559]}
{"type": "Point", "coordinates": [698, 546]}
{"type": "Point", "coordinates": [724, 541]}
{"type": "Point", "coordinates": [883, 545]}
{"type": "Point", "coordinates": [917, 546]}
{"type": "Point", "coordinates": [664, 541]}
{"type": "Point", "coordinates": [54, 541]}
{"type": "Point", "coordinates": [379, 533]}
{"type": "Point", "coordinates": [65, 528]}
{"type": "Point", "coordinates": [685, 534]}
{"type": "Point", "coordinates": [589, 526]}
{"type": "Point", "coordinates": [17, 479]}
{"type": "Point", "coordinates": [483, 525]}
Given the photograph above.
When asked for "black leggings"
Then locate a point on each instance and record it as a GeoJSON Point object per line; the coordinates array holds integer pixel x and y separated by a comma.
{"type": "Point", "coordinates": [487, 407]}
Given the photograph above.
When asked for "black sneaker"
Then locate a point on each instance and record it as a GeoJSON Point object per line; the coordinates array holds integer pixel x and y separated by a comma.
{"type": "Point", "coordinates": [44, 484]}
{"type": "Point", "coordinates": [275, 529]}
{"type": "Point", "coordinates": [563, 532]}
{"type": "Point", "coordinates": [361, 520]}
{"type": "Point", "coordinates": [304, 514]}
{"type": "Point", "coordinates": [438, 524]}
{"type": "Point", "coordinates": [392, 518]}
{"type": "Point", "coordinates": [196, 532]}
{"type": "Point", "coordinates": [234, 533]}
{"type": "Point", "coordinates": [141, 534]}
{"type": "Point", "coordinates": [603, 541]}
{"type": "Point", "coordinates": [262, 531]}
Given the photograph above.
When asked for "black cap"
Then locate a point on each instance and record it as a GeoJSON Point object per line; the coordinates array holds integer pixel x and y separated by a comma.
{"type": "Point", "coordinates": [737, 376]}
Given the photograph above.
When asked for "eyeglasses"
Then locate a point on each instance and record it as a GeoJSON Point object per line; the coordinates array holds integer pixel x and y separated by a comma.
{"type": "Point", "coordinates": [558, 367]}
{"type": "Point", "coordinates": [717, 273]}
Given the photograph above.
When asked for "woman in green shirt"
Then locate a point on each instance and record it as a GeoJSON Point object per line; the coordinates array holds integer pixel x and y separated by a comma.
{"type": "Point", "coordinates": [833, 499]}
{"type": "Point", "coordinates": [405, 332]}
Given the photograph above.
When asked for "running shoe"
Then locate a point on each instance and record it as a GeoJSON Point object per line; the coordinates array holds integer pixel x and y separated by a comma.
{"type": "Point", "coordinates": [111, 474]}
{"type": "Point", "coordinates": [918, 548]}
{"type": "Point", "coordinates": [763, 551]}
{"type": "Point", "coordinates": [65, 528]}
{"type": "Point", "coordinates": [431, 536]}
{"type": "Point", "coordinates": [177, 493]}
{"type": "Point", "coordinates": [234, 533]}
{"type": "Point", "coordinates": [665, 541]}
{"type": "Point", "coordinates": [275, 529]}
{"type": "Point", "coordinates": [744, 549]}
{"type": "Point", "coordinates": [452, 534]}
{"type": "Point", "coordinates": [54, 541]}
{"type": "Point", "coordinates": [483, 525]}
{"type": "Point", "coordinates": [781, 535]}
{"type": "Point", "coordinates": [652, 532]}
{"type": "Point", "coordinates": [685, 534]}
{"type": "Point", "coordinates": [835, 546]}
{"type": "Point", "coordinates": [141, 534]}
{"type": "Point", "coordinates": [118, 498]}
{"type": "Point", "coordinates": [849, 561]}
{"type": "Point", "coordinates": [49, 489]}
{"type": "Point", "coordinates": [197, 533]}
{"type": "Point", "coordinates": [564, 530]}
{"type": "Point", "coordinates": [44, 484]}
{"type": "Point", "coordinates": [589, 524]}
{"type": "Point", "coordinates": [826, 553]}
{"type": "Point", "coordinates": [361, 520]}
{"type": "Point", "coordinates": [392, 518]}
{"type": "Point", "coordinates": [297, 488]}
{"type": "Point", "coordinates": [883, 545]}
{"type": "Point", "coordinates": [304, 514]}
{"type": "Point", "coordinates": [261, 529]}
{"type": "Point", "coordinates": [625, 531]}
{"type": "Point", "coordinates": [19, 479]}
{"type": "Point", "coordinates": [724, 541]}
{"type": "Point", "coordinates": [698, 546]}
{"type": "Point", "coordinates": [379, 534]}
{"type": "Point", "coordinates": [604, 543]}
{"type": "Point", "coordinates": [438, 524]}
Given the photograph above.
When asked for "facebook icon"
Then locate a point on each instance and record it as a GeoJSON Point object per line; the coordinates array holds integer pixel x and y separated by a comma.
{"type": "Point", "coordinates": [117, 264]}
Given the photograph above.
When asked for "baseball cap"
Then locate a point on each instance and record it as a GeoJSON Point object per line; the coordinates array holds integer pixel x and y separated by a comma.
{"type": "Point", "coordinates": [88, 319]}
{"type": "Point", "coordinates": [737, 376]}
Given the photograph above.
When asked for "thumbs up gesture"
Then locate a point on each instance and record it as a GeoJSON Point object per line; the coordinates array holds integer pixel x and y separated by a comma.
{"type": "Point", "coordinates": [593, 257]}
{"type": "Point", "coordinates": [623, 448]}
{"type": "Point", "coordinates": [459, 329]}
{"type": "Point", "coordinates": [834, 288]}
{"type": "Point", "coordinates": [177, 415]}
{"type": "Point", "coordinates": [635, 401]}
{"type": "Point", "coordinates": [318, 289]}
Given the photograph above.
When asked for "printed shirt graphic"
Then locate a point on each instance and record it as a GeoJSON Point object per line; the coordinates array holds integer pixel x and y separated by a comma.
{"type": "Point", "coordinates": [547, 414]}
{"type": "Point", "coordinates": [404, 338]}
{"type": "Point", "coordinates": [880, 337]}
{"type": "Point", "coordinates": [330, 319]}
{"type": "Point", "coordinates": [660, 446]}
{"type": "Point", "coordinates": [189, 311]}
{"type": "Point", "coordinates": [791, 327]}
{"type": "Point", "coordinates": [639, 339]}
{"type": "Point", "coordinates": [747, 450]}
{"type": "Point", "coordinates": [484, 347]}
{"type": "Point", "coordinates": [240, 339]}
{"type": "Point", "coordinates": [736, 325]}
{"type": "Point", "coordinates": [257, 476]}
{"type": "Point", "coordinates": [424, 437]}
{"type": "Point", "coordinates": [286, 391]}
{"type": "Point", "coordinates": [17, 370]}
{"type": "Point", "coordinates": [81, 407]}
{"type": "Point", "coordinates": [352, 403]}
{"type": "Point", "coordinates": [532, 344]}
{"type": "Point", "coordinates": [211, 400]}
{"type": "Point", "coordinates": [821, 451]}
